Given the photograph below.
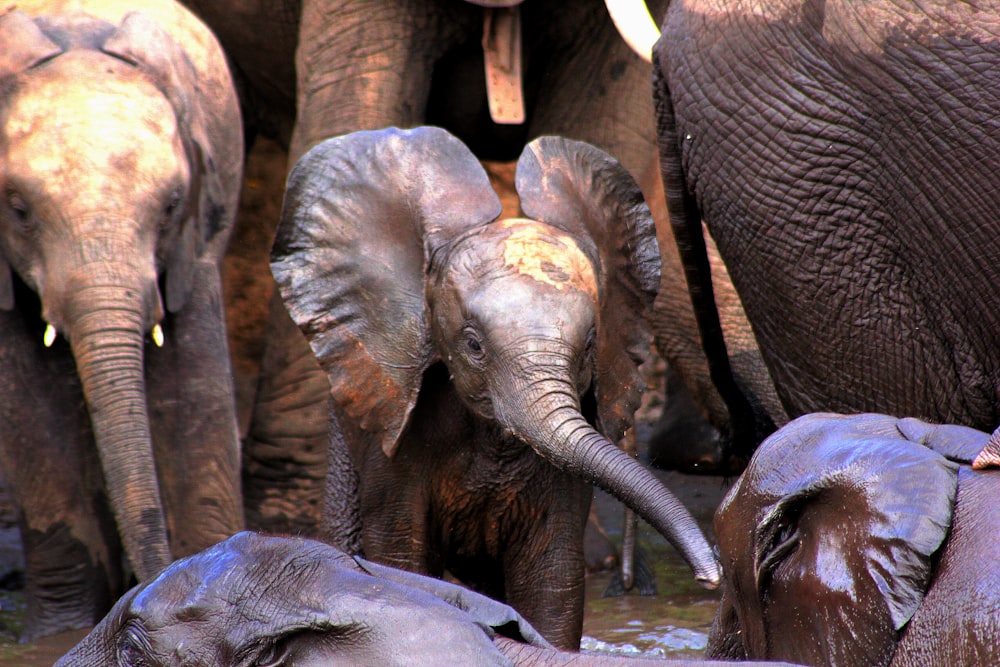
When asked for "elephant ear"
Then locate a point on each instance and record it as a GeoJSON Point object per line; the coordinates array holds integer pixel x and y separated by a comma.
{"type": "Point", "coordinates": [24, 46]}
{"type": "Point", "coordinates": [141, 42]}
{"type": "Point", "coordinates": [361, 214]}
{"type": "Point", "coordinates": [956, 443]}
{"type": "Point", "coordinates": [847, 518]}
{"type": "Point", "coordinates": [585, 192]}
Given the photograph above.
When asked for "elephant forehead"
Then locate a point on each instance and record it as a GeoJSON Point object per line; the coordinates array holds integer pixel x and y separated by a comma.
{"type": "Point", "coordinates": [77, 115]}
{"type": "Point", "coordinates": [546, 255]}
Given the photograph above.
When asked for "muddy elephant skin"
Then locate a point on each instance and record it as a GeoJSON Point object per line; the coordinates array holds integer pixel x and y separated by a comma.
{"type": "Point", "coordinates": [120, 163]}
{"type": "Point", "coordinates": [862, 540]}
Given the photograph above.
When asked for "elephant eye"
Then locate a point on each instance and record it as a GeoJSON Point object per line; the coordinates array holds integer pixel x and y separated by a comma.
{"type": "Point", "coordinates": [132, 647]}
{"type": "Point", "coordinates": [174, 202]}
{"type": "Point", "coordinates": [474, 344]}
{"type": "Point", "coordinates": [784, 542]}
{"type": "Point", "coordinates": [19, 206]}
{"type": "Point", "coordinates": [272, 655]}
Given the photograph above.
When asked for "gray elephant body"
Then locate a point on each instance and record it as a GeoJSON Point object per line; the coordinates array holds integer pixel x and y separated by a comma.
{"type": "Point", "coordinates": [236, 604]}
{"type": "Point", "coordinates": [121, 162]}
{"type": "Point", "coordinates": [843, 157]}
{"type": "Point", "coordinates": [468, 357]}
{"type": "Point", "coordinates": [866, 545]}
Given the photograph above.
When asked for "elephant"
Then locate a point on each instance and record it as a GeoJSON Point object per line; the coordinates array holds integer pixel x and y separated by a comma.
{"type": "Point", "coordinates": [842, 157]}
{"type": "Point", "coordinates": [120, 163]}
{"type": "Point", "coordinates": [867, 540]}
{"type": "Point", "coordinates": [481, 368]}
{"type": "Point", "coordinates": [235, 604]}
{"type": "Point", "coordinates": [304, 79]}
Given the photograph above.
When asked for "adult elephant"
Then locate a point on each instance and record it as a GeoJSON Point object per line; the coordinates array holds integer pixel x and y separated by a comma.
{"type": "Point", "coordinates": [481, 369]}
{"type": "Point", "coordinates": [339, 611]}
{"type": "Point", "coordinates": [843, 158]}
{"type": "Point", "coordinates": [120, 162]}
{"type": "Point", "coordinates": [911, 577]}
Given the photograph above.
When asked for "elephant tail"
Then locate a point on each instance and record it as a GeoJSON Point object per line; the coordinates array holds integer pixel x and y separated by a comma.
{"type": "Point", "coordinates": [748, 427]}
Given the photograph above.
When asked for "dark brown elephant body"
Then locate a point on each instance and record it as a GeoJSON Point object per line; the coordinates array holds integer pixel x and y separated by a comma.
{"type": "Point", "coordinates": [858, 540]}
{"type": "Point", "coordinates": [470, 366]}
{"type": "Point", "coordinates": [120, 162]}
{"type": "Point", "coordinates": [844, 158]}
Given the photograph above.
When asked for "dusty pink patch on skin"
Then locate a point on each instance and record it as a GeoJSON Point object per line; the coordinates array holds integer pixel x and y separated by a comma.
{"type": "Point", "coordinates": [547, 255]}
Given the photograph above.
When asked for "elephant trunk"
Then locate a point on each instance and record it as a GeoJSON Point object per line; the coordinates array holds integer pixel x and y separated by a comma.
{"type": "Point", "coordinates": [546, 414]}
{"type": "Point", "coordinates": [105, 323]}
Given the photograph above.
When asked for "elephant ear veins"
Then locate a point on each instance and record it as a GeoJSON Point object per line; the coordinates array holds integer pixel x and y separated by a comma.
{"type": "Point", "coordinates": [547, 256]}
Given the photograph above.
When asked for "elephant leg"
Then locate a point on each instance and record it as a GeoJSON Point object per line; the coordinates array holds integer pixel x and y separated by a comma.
{"type": "Point", "coordinates": [193, 419]}
{"type": "Point", "coordinates": [544, 573]}
{"type": "Point", "coordinates": [71, 549]}
{"type": "Point", "coordinates": [368, 64]}
{"type": "Point", "coordinates": [285, 452]}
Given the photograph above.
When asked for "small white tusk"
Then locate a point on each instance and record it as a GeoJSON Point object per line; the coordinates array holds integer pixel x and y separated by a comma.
{"type": "Point", "coordinates": [635, 25]}
{"type": "Point", "coordinates": [50, 336]}
{"type": "Point", "coordinates": [157, 334]}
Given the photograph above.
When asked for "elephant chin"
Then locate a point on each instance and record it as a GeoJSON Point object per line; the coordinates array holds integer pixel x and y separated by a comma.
{"type": "Point", "coordinates": [546, 417]}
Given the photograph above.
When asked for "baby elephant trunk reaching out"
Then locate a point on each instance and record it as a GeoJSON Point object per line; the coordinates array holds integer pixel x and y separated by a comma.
{"type": "Point", "coordinates": [547, 416]}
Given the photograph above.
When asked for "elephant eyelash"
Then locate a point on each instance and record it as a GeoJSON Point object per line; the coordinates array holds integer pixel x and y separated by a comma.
{"type": "Point", "coordinates": [133, 646]}
{"type": "Point", "coordinates": [174, 202]}
{"type": "Point", "coordinates": [473, 344]}
{"type": "Point", "coordinates": [20, 207]}
{"type": "Point", "coordinates": [777, 538]}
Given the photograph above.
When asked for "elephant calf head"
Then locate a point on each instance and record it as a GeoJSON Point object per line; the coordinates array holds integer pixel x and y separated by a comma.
{"type": "Point", "coordinates": [391, 259]}
{"type": "Point", "coordinates": [268, 601]}
{"type": "Point", "coordinates": [842, 537]}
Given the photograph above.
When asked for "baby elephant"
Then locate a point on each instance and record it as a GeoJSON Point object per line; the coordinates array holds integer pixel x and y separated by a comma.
{"type": "Point", "coordinates": [862, 541]}
{"type": "Point", "coordinates": [255, 601]}
{"type": "Point", "coordinates": [482, 370]}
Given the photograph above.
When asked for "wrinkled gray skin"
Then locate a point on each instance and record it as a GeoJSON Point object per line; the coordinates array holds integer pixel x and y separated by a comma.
{"type": "Point", "coordinates": [862, 541]}
{"type": "Point", "coordinates": [843, 156]}
{"type": "Point", "coordinates": [120, 159]}
{"type": "Point", "coordinates": [258, 600]}
{"type": "Point", "coordinates": [477, 386]}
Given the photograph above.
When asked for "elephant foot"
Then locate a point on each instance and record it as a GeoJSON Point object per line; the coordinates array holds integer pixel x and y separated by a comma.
{"type": "Point", "coordinates": [643, 578]}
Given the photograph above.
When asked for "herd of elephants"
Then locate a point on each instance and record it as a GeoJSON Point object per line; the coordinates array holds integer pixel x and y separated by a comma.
{"type": "Point", "coordinates": [270, 438]}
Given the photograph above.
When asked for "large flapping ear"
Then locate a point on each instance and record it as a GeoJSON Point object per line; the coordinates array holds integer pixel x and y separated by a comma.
{"type": "Point", "coordinates": [361, 214]}
{"type": "Point", "coordinates": [589, 195]}
{"type": "Point", "coordinates": [143, 43]}
{"type": "Point", "coordinates": [24, 46]}
{"type": "Point", "coordinates": [848, 514]}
